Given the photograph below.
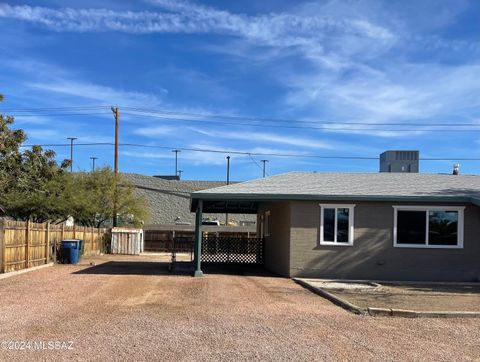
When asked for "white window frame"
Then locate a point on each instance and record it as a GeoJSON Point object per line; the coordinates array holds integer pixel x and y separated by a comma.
{"type": "Point", "coordinates": [268, 221]}
{"type": "Point", "coordinates": [350, 208]}
{"type": "Point", "coordinates": [427, 209]}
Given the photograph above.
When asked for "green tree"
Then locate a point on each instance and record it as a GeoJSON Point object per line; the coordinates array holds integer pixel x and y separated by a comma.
{"type": "Point", "coordinates": [93, 199]}
{"type": "Point", "coordinates": [30, 180]}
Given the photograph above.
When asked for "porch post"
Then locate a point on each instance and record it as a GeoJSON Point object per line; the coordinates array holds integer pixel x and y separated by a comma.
{"type": "Point", "coordinates": [198, 240]}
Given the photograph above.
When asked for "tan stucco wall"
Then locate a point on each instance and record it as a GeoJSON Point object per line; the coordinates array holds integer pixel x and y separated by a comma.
{"type": "Point", "coordinates": [277, 245]}
{"type": "Point", "coordinates": [373, 256]}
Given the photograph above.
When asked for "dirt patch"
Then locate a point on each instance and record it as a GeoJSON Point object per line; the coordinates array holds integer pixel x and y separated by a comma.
{"type": "Point", "coordinates": [453, 297]}
{"type": "Point", "coordinates": [160, 316]}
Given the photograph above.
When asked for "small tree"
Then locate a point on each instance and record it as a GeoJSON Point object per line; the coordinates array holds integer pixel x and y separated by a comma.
{"type": "Point", "coordinates": [93, 199]}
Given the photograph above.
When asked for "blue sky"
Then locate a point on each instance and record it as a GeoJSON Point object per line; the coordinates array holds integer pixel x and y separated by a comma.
{"type": "Point", "coordinates": [350, 61]}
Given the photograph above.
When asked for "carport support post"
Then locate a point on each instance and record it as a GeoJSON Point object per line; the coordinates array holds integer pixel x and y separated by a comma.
{"type": "Point", "coordinates": [198, 240]}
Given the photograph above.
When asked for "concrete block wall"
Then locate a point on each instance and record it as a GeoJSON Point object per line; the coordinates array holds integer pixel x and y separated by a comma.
{"type": "Point", "coordinates": [372, 255]}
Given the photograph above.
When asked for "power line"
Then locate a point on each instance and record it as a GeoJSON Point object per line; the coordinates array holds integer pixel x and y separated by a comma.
{"type": "Point", "coordinates": [209, 118]}
{"type": "Point", "coordinates": [259, 119]}
{"type": "Point", "coordinates": [247, 153]}
{"type": "Point", "coordinates": [322, 128]}
{"type": "Point", "coordinates": [59, 114]}
{"type": "Point", "coordinates": [53, 109]}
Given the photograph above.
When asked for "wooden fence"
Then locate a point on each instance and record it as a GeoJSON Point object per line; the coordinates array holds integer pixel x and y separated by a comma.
{"type": "Point", "coordinates": [161, 238]}
{"type": "Point", "coordinates": [25, 244]}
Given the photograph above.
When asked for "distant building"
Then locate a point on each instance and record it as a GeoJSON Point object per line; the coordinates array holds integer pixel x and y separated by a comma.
{"type": "Point", "coordinates": [399, 161]}
{"type": "Point", "coordinates": [168, 200]}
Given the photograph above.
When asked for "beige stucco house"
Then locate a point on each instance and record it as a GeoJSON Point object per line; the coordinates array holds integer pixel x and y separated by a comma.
{"type": "Point", "coordinates": [382, 226]}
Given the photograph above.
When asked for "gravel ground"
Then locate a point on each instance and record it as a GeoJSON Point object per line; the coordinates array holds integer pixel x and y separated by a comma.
{"type": "Point", "coordinates": [133, 310]}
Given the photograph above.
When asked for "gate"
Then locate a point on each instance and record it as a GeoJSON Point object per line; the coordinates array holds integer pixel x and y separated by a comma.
{"type": "Point", "coordinates": [126, 241]}
{"type": "Point", "coordinates": [227, 250]}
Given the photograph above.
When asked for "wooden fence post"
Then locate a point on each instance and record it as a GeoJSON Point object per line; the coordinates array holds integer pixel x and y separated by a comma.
{"type": "Point", "coordinates": [99, 241]}
{"type": "Point", "coordinates": [27, 244]}
{"type": "Point", "coordinates": [2, 246]}
{"type": "Point", "coordinates": [89, 231]}
{"type": "Point", "coordinates": [87, 235]}
{"type": "Point", "coordinates": [47, 242]}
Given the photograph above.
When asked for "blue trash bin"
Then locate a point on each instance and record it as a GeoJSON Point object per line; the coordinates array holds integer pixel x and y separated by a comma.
{"type": "Point", "coordinates": [70, 251]}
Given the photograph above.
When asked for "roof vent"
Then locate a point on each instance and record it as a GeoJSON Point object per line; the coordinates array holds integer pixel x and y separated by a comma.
{"type": "Point", "coordinates": [456, 169]}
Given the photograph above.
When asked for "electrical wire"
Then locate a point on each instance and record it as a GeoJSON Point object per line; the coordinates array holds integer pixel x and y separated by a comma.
{"type": "Point", "coordinates": [280, 120]}
{"type": "Point", "coordinates": [256, 163]}
{"type": "Point", "coordinates": [247, 121]}
{"type": "Point", "coordinates": [322, 128]}
{"type": "Point", "coordinates": [247, 153]}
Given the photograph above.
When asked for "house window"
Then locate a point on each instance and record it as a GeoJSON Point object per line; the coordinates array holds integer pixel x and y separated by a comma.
{"type": "Point", "coordinates": [336, 225]}
{"type": "Point", "coordinates": [267, 223]}
{"type": "Point", "coordinates": [428, 227]}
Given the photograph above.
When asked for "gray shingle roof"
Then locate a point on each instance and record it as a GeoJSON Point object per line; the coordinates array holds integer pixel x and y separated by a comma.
{"type": "Point", "coordinates": [168, 199]}
{"type": "Point", "coordinates": [304, 185]}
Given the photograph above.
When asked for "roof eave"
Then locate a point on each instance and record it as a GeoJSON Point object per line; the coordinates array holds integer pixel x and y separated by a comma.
{"type": "Point", "coordinates": [305, 197]}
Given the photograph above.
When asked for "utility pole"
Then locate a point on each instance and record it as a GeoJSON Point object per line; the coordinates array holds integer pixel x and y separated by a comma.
{"type": "Point", "coordinates": [116, 113]}
{"type": "Point", "coordinates": [176, 161]}
{"type": "Point", "coordinates": [93, 162]}
{"type": "Point", "coordinates": [71, 151]}
{"type": "Point", "coordinates": [228, 182]}
{"type": "Point", "coordinates": [264, 162]}
{"type": "Point", "coordinates": [228, 170]}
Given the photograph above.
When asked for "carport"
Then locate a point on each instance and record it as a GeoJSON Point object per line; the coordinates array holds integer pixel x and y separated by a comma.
{"type": "Point", "coordinates": [221, 250]}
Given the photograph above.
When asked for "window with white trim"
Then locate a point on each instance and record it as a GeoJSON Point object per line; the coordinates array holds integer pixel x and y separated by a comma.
{"type": "Point", "coordinates": [336, 224]}
{"type": "Point", "coordinates": [428, 226]}
{"type": "Point", "coordinates": [267, 223]}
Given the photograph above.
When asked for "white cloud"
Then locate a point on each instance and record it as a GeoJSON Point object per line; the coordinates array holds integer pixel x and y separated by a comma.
{"type": "Point", "coordinates": [216, 156]}
{"type": "Point", "coordinates": [156, 131]}
{"type": "Point", "coordinates": [427, 92]}
{"type": "Point", "coordinates": [94, 92]}
{"type": "Point", "coordinates": [186, 17]}
{"type": "Point", "coordinates": [344, 42]}
{"type": "Point", "coordinates": [254, 137]}
{"type": "Point", "coordinates": [43, 134]}
{"type": "Point", "coordinates": [69, 87]}
{"type": "Point", "coordinates": [185, 157]}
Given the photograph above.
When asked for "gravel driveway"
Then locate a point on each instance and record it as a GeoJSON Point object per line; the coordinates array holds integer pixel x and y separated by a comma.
{"type": "Point", "coordinates": [130, 310]}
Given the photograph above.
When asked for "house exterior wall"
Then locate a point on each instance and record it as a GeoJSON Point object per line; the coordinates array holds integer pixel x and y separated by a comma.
{"type": "Point", "coordinates": [277, 244]}
{"type": "Point", "coordinates": [373, 255]}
